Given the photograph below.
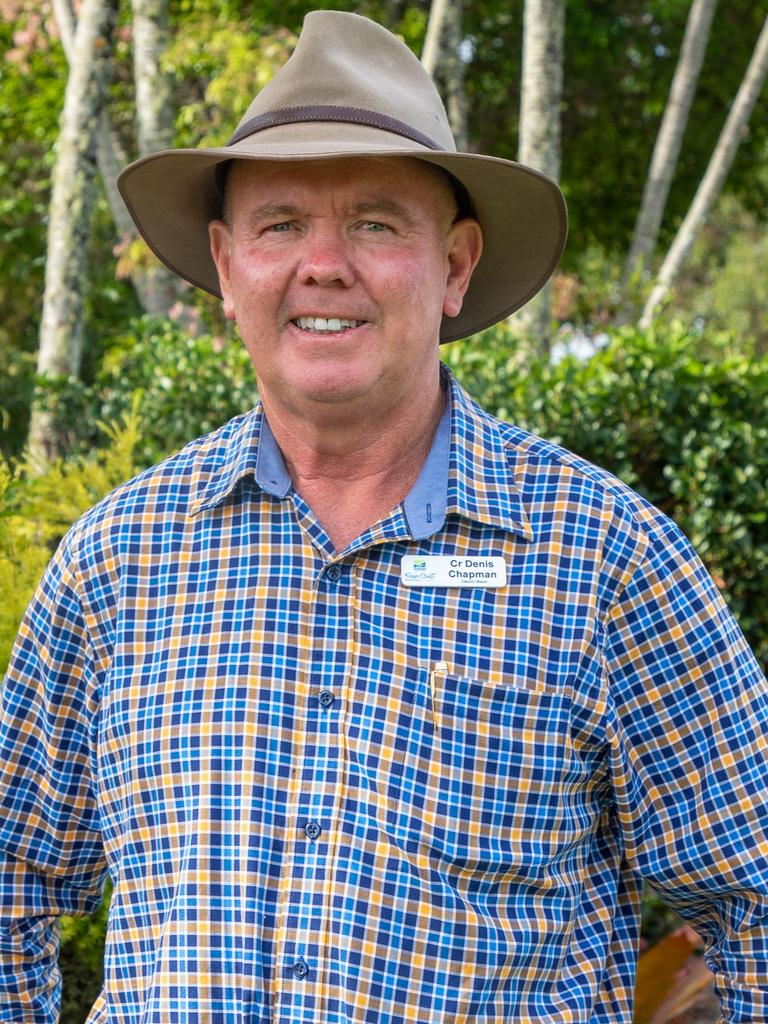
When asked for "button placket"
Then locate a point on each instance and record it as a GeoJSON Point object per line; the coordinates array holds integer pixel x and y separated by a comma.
{"type": "Point", "coordinates": [330, 635]}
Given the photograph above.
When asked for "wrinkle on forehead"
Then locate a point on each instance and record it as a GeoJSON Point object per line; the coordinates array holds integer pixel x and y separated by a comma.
{"type": "Point", "coordinates": [441, 200]}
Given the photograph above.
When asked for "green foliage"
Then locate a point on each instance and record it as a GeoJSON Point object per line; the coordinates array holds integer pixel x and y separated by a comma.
{"type": "Point", "coordinates": [188, 385]}
{"type": "Point", "coordinates": [21, 560]}
{"type": "Point", "coordinates": [81, 962]}
{"type": "Point", "coordinates": [32, 79]}
{"type": "Point", "coordinates": [17, 383]}
{"type": "Point", "coordinates": [723, 286]}
{"type": "Point", "coordinates": [619, 63]}
{"type": "Point", "coordinates": [237, 61]}
{"type": "Point", "coordinates": [36, 511]}
{"type": "Point", "coordinates": [658, 920]}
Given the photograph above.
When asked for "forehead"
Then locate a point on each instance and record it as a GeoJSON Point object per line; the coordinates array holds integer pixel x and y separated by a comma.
{"type": "Point", "coordinates": [410, 180]}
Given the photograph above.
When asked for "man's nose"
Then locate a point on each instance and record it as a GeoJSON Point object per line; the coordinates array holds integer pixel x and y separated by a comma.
{"type": "Point", "coordinates": [326, 259]}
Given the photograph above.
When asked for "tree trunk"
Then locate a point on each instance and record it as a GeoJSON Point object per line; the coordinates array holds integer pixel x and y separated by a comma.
{"type": "Point", "coordinates": [159, 288]}
{"type": "Point", "coordinates": [715, 175]}
{"type": "Point", "coordinates": [154, 294]}
{"type": "Point", "coordinates": [441, 58]}
{"type": "Point", "coordinates": [70, 212]}
{"type": "Point", "coordinates": [109, 153]}
{"type": "Point", "coordinates": [668, 142]}
{"type": "Point", "coordinates": [454, 74]}
{"type": "Point", "coordinates": [541, 96]}
{"type": "Point", "coordinates": [430, 55]}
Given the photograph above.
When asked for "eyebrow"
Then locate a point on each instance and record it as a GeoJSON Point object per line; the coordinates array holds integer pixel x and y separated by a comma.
{"type": "Point", "coordinates": [386, 206]}
{"type": "Point", "coordinates": [270, 211]}
{"type": "Point", "coordinates": [285, 211]}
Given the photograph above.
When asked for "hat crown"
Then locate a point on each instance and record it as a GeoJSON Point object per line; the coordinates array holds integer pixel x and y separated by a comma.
{"type": "Point", "coordinates": [347, 61]}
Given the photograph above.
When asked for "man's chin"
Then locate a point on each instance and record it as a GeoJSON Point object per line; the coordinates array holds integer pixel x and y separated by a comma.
{"type": "Point", "coordinates": [337, 389]}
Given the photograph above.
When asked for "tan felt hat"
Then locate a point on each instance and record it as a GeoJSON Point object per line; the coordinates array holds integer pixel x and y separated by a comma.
{"type": "Point", "coordinates": [352, 88]}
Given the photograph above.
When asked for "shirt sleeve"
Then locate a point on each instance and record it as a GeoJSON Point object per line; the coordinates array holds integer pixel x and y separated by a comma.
{"type": "Point", "coordinates": [689, 747]}
{"type": "Point", "coordinates": [51, 852]}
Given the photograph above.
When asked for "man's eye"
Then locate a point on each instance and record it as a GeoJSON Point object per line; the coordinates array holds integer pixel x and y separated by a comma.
{"type": "Point", "coordinates": [374, 225]}
{"type": "Point", "coordinates": [283, 225]}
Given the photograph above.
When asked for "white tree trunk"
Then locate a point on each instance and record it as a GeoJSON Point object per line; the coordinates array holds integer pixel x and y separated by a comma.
{"type": "Point", "coordinates": [715, 175]}
{"type": "Point", "coordinates": [540, 100]}
{"type": "Point", "coordinates": [111, 159]}
{"type": "Point", "coordinates": [454, 73]}
{"type": "Point", "coordinates": [70, 211]}
{"type": "Point", "coordinates": [430, 54]}
{"type": "Point", "coordinates": [441, 59]}
{"type": "Point", "coordinates": [670, 138]}
{"type": "Point", "coordinates": [159, 289]}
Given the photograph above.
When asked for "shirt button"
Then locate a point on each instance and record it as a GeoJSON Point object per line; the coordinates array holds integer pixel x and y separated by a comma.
{"type": "Point", "coordinates": [326, 698]}
{"type": "Point", "coordinates": [300, 968]}
{"type": "Point", "coordinates": [312, 829]}
{"type": "Point", "coordinates": [333, 573]}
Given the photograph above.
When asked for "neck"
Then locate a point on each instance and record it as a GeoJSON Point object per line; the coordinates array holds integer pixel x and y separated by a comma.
{"type": "Point", "coordinates": [352, 471]}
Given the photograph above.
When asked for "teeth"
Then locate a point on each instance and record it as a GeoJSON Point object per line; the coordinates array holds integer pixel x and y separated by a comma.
{"type": "Point", "coordinates": [322, 323]}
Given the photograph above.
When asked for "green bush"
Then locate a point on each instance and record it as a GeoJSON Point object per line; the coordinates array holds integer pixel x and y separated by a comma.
{"type": "Point", "coordinates": [37, 510]}
{"type": "Point", "coordinates": [17, 383]}
{"type": "Point", "coordinates": [188, 386]}
{"type": "Point", "coordinates": [81, 961]}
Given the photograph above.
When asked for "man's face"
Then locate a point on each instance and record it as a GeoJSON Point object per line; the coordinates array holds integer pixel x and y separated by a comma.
{"type": "Point", "coordinates": [338, 274]}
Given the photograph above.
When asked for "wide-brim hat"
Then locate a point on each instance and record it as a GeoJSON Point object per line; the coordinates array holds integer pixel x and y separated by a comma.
{"type": "Point", "coordinates": [352, 88]}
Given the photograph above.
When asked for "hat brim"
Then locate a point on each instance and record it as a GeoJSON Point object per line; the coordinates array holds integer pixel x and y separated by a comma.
{"type": "Point", "coordinates": [173, 195]}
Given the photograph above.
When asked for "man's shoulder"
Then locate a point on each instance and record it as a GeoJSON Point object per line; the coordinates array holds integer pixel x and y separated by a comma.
{"type": "Point", "coordinates": [555, 479]}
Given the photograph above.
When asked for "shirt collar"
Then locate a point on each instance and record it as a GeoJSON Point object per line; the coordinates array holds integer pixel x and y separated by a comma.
{"type": "Point", "coordinates": [481, 476]}
{"type": "Point", "coordinates": [224, 457]}
{"type": "Point", "coordinates": [468, 472]}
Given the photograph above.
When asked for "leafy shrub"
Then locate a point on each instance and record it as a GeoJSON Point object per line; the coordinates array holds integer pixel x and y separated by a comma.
{"type": "Point", "coordinates": [21, 559]}
{"type": "Point", "coordinates": [188, 386]}
{"type": "Point", "coordinates": [36, 512]}
{"type": "Point", "coordinates": [81, 961]}
{"type": "Point", "coordinates": [17, 383]}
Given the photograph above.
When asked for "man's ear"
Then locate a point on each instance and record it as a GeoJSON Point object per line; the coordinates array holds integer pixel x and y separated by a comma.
{"type": "Point", "coordinates": [221, 244]}
{"type": "Point", "coordinates": [465, 246]}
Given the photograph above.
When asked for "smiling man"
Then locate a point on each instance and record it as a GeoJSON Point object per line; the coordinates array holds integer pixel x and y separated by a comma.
{"type": "Point", "coordinates": [375, 709]}
{"type": "Point", "coordinates": [338, 275]}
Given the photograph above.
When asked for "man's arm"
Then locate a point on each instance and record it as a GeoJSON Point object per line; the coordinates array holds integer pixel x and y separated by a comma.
{"type": "Point", "coordinates": [690, 762]}
{"type": "Point", "coordinates": [51, 852]}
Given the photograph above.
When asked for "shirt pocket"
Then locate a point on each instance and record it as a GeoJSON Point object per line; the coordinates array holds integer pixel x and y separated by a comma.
{"type": "Point", "coordinates": [489, 781]}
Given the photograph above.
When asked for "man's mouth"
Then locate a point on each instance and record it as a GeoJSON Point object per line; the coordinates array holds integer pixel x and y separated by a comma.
{"type": "Point", "coordinates": [326, 324]}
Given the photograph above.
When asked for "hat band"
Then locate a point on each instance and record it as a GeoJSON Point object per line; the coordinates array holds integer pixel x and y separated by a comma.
{"type": "Point", "coordinates": [347, 115]}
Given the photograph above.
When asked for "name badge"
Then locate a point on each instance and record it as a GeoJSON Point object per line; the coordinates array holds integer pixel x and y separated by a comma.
{"type": "Point", "coordinates": [449, 571]}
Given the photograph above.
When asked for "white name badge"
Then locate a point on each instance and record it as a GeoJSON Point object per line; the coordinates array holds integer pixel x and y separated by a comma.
{"type": "Point", "coordinates": [450, 571]}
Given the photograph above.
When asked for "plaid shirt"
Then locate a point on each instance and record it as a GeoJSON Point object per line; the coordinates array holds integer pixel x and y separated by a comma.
{"type": "Point", "coordinates": [325, 796]}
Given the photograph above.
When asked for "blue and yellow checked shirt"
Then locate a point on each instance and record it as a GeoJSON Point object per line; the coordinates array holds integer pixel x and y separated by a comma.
{"type": "Point", "coordinates": [323, 796]}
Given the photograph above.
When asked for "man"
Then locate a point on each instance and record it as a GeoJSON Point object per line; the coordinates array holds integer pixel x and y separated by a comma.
{"type": "Point", "coordinates": [375, 709]}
